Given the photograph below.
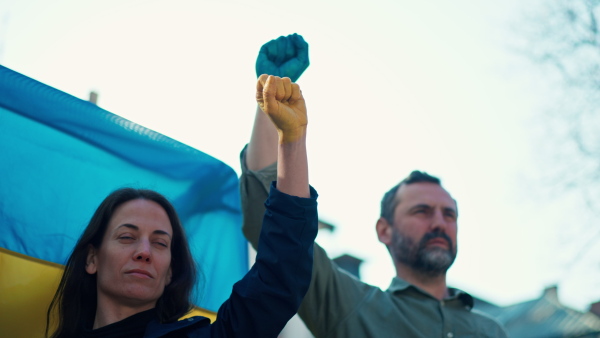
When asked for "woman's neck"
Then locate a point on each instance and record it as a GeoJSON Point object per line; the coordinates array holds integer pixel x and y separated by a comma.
{"type": "Point", "coordinates": [108, 313]}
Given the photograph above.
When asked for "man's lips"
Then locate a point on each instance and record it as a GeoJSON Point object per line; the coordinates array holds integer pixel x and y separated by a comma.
{"type": "Point", "coordinates": [139, 273]}
{"type": "Point", "coordinates": [438, 242]}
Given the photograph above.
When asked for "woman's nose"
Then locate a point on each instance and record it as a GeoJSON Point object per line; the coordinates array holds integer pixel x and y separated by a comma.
{"type": "Point", "coordinates": [143, 252]}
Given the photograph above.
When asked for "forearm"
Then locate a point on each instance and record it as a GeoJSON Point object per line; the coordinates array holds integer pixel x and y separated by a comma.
{"type": "Point", "coordinates": [254, 189]}
{"type": "Point", "coordinates": [262, 148]}
{"type": "Point", "coordinates": [292, 166]}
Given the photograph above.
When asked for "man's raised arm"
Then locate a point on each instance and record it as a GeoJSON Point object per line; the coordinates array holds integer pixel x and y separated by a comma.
{"type": "Point", "coordinates": [286, 56]}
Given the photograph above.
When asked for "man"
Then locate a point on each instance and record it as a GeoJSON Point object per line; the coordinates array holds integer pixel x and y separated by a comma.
{"type": "Point", "coordinates": [418, 224]}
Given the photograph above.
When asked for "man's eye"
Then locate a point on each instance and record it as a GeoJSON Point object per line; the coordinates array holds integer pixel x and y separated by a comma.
{"type": "Point", "coordinates": [125, 237]}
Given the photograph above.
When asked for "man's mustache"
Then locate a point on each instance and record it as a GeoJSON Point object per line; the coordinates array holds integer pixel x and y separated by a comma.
{"type": "Point", "coordinates": [436, 234]}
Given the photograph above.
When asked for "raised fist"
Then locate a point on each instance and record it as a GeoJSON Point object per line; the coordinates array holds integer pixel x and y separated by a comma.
{"type": "Point", "coordinates": [286, 56]}
{"type": "Point", "coordinates": [284, 104]}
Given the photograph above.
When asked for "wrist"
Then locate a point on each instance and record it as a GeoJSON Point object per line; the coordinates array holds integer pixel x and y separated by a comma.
{"type": "Point", "coordinates": [292, 135]}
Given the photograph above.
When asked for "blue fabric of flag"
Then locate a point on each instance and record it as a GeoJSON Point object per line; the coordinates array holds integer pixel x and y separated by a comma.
{"type": "Point", "coordinates": [60, 156]}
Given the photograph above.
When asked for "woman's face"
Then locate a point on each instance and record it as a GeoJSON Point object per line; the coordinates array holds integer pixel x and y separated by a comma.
{"type": "Point", "coordinates": [133, 263]}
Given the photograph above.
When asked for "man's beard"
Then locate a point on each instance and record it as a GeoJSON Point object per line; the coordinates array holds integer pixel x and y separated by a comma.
{"type": "Point", "coordinates": [429, 261]}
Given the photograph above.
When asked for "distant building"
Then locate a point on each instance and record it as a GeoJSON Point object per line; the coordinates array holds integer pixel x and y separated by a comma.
{"type": "Point", "coordinates": [544, 317]}
{"type": "Point", "coordinates": [350, 264]}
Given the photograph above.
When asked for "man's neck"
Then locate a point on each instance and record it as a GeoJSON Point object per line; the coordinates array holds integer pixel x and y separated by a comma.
{"type": "Point", "coordinates": [434, 285]}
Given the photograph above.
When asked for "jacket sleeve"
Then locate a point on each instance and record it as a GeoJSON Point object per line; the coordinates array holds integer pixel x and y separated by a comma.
{"type": "Point", "coordinates": [269, 295]}
{"type": "Point", "coordinates": [333, 294]}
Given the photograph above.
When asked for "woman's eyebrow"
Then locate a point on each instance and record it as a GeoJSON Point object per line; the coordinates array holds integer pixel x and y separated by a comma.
{"type": "Point", "coordinates": [130, 226]}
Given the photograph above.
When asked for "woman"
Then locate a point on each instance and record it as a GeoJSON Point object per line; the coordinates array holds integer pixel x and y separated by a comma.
{"type": "Point", "coordinates": [131, 272]}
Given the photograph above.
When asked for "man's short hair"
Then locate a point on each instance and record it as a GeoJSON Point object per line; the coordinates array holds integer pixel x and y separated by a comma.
{"type": "Point", "coordinates": [389, 202]}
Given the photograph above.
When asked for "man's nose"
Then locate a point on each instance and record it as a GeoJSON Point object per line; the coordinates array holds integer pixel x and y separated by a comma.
{"type": "Point", "coordinates": [438, 221]}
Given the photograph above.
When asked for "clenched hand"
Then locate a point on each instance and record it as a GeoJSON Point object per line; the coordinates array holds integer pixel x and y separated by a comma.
{"type": "Point", "coordinates": [284, 104]}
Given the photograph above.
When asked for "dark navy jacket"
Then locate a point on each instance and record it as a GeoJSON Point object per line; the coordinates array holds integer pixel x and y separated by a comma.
{"type": "Point", "coordinates": [270, 294]}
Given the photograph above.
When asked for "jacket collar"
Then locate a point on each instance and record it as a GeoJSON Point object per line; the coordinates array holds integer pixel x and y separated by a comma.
{"type": "Point", "coordinates": [156, 329]}
{"type": "Point", "coordinates": [399, 285]}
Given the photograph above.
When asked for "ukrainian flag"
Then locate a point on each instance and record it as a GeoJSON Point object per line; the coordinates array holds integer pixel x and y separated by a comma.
{"type": "Point", "coordinates": [59, 157]}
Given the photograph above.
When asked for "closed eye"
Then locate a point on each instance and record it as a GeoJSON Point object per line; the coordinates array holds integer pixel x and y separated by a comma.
{"type": "Point", "coordinates": [125, 239]}
{"type": "Point", "coordinates": [421, 210]}
{"type": "Point", "coordinates": [450, 213]}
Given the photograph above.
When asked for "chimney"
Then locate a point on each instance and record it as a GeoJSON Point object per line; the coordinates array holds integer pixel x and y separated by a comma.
{"type": "Point", "coordinates": [595, 308]}
{"type": "Point", "coordinates": [551, 293]}
{"type": "Point", "coordinates": [93, 97]}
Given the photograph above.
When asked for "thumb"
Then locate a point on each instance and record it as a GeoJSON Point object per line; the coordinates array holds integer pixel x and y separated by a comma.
{"type": "Point", "coordinates": [269, 93]}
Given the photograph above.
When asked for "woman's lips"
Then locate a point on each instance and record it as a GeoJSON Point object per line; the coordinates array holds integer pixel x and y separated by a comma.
{"type": "Point", "coordinates": [139, 273]}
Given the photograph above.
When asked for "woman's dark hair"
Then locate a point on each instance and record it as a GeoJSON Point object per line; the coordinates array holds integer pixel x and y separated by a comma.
{"type": "Point", "coordinates": [75, 299]}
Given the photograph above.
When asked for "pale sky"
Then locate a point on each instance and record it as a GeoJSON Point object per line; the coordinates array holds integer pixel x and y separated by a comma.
{"type": "Point", "coordinates": [393, 86]}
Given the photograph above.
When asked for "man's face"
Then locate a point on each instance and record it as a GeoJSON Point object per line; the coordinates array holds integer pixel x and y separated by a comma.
{"type": "Point", "coordinates": [424, 228]}
{"type": "Point", "coordinates": [133, 263]}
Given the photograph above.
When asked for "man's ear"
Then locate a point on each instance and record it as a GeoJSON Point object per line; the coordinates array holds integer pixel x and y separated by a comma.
{"type": "Point", "coordinates": [91, 262]}
{"type": "Point", "coordinates": [384, 231]}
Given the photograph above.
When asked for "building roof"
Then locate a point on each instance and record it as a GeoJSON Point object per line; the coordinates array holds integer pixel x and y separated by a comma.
{"type": "Point", "coordinates": [543, 317]}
